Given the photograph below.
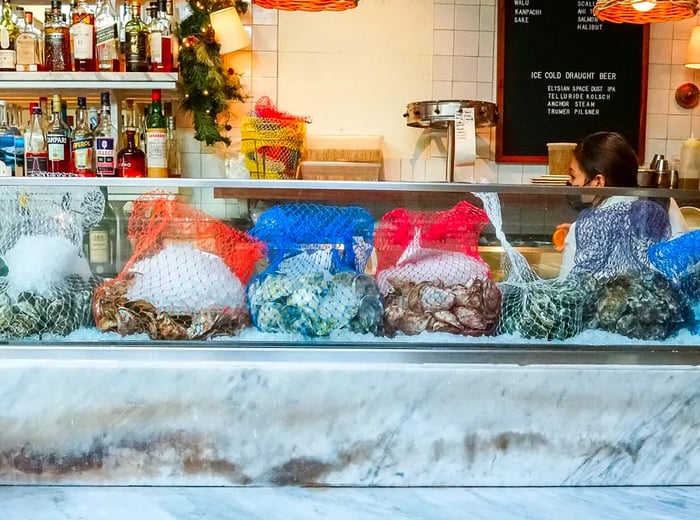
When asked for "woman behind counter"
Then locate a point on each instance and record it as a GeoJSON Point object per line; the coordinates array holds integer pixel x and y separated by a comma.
{"type": "Point", "coordinates": [613, 235]}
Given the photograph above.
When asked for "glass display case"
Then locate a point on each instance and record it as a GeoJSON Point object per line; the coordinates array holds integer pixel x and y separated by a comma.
{"type": "Point", "coordinates": [371, 264]}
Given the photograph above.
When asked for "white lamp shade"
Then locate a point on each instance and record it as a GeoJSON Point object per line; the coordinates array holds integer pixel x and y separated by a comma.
{"type": "Point", "coordinates": [692, 54]}
{"type": "Point", "coordinates": [228, 30]}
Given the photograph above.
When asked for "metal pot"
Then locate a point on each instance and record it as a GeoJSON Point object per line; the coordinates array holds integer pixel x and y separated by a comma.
{"type": "Point", "coordinates": [438, 114]}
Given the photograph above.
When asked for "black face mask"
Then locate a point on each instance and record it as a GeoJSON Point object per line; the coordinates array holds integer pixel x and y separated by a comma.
{"type": "Point", "coordinates": [575, 201]}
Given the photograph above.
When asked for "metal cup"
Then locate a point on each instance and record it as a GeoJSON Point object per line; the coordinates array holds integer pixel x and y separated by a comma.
{"type": "Point", "coordinates": [663, 174]}
{"type": "Point", "coordinates": [653, 165]}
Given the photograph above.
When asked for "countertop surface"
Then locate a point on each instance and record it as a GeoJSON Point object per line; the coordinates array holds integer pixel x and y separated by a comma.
{"type": "Point", "coordinates": [170, 503]}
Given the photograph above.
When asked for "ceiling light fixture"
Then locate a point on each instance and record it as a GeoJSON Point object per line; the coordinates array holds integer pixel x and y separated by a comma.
{"type": "Point", "coordinates": [644, 11]}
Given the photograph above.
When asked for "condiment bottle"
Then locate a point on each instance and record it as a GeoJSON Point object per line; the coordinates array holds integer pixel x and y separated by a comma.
{"type": "Point", "coordinates": [689, 171]}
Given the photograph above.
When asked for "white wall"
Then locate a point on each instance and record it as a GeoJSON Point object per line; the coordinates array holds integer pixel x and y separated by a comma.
{"type": "Point", "coordinates": [355, 71]}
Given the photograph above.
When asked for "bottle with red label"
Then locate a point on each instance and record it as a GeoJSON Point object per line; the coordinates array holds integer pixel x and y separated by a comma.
{"type": "Point", "coordinates": [105, 140]}
{"type": "Point", "coordinates": [131, 161]}
{"type": "Point", "coordinates": [58, 141]}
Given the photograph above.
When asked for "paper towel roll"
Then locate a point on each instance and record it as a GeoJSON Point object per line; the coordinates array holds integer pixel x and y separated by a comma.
{"type": "Point", "coordinates": [465, 137]}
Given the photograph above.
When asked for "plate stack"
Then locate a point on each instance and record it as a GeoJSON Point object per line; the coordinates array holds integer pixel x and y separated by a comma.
{"type": "Point", "coordinates": [550, 180]}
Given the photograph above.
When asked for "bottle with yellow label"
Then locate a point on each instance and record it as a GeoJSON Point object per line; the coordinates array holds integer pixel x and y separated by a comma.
{"type": "Point", "coordinates": [156, 138]}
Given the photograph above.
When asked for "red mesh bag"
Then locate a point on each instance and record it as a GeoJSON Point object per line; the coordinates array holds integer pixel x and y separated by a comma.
{"type": "Point", "coordinates": [186, 278]}
{"type": "Point", "coordinates": [430, 271]}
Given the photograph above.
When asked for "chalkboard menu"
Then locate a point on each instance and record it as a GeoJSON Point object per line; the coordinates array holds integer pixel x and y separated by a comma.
{"type": "Point", "coordinates": [563, 74]}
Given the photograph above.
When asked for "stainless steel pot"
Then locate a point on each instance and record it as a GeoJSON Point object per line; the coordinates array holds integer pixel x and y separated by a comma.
{"type": "Point", "coordinates": [438, 114]}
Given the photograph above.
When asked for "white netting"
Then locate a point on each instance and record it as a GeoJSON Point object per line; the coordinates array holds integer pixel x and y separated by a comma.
{"type": "Point", "coordinates": [45, 284]}
{"type": "Point", "coordinates": [610, 287]}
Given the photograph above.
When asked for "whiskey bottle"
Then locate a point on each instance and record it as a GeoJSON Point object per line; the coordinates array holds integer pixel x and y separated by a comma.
{"type": "Point", "coordinates": [82, 142]}
{"type": "Point", "coordinates": [83, 35]}
{"type": "Point", "coordinates": [107, 36]}
{"type": "Point", "coordinates": [36, 152]}
{"type": "Point", "coordinates": [105, 140]}
{"type": "Point", "coordinates": [27, 46]}
{"type": "Point", "coordinates": [131, 161]}
{"type": "Point", "coordinates": [156, 134]}
{"type": "Point", "coordinates": [8, 35]}
{"type": "Point", "coordinates": [136, 42]}
{"type": "Point", "coordinates": [58, 141]}
{"type": "Point", "coordinates": [101, 242]}
{"type": "Point", "coordinates": [57, 41]}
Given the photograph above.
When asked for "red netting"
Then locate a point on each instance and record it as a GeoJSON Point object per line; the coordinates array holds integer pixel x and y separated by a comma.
{"type": "Point", "coordinates": [186, 278]}
{"type": "Point", "coordinates": [456, 230]}
{"type": "Point", "coordinates": [264, 107]}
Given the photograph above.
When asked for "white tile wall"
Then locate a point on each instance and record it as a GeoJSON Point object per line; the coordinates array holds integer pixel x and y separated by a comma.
{"type": "Point", "coordinates": [355, 71]}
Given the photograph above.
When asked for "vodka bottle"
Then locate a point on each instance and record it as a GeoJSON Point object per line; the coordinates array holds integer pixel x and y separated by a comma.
{"type": "Point", "coordinates": [106, 138]}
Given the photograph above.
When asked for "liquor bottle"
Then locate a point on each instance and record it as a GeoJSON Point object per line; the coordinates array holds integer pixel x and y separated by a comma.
{"type": "Point", "coordinates": [8, 34]}
{"type": "Point", "coordinates": [129, 122]}
{"type": "Point", "coordinates": [6, 141]}
{"type": "Point", "coordinates": [83, 37]}
{"type": "Point", "coordinates": [136, 42]}
{"type": "Point", "coordinates": [19, 18]}
{"type": "Point", "coordinates": [26, 131]}
{"type": "Point", "coordinates": [18, 135]}
{"type": "Point", "coordinates": [101, 242]}
{"type": "Point", "coordinates": [28, 48]}
{"type": "Point", "coordinates": [161, 43]}
{"type": "Point", "coordinates": [107, 36]}
{"type": "Point", "coordinates": [105, 140]}
{"type": "Point", "coordinates": [131, 161]}
{"type": "Point", "coordinates": [173, 150]}
{"type": "Point", "coordinates": [174, 31]}
{"type": "Point", "coordinates": [156, 134]}
{"type": "Point", "coordinates": [58, 141]}
{"type": "Point", "coordinates": [124, 17]}
{"type": "Point", "coordinates": [44, 105]}
{"type": "Point", "coordinates": [83, 143]}
{"type": "Point", "coordinates": [57, 41]}
{"type": "Point", "coordinates": [36, 153]}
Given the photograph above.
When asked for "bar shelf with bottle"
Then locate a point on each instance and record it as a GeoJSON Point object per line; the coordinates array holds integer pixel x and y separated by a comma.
{"type": "Point", "coordinates": [90, 83]}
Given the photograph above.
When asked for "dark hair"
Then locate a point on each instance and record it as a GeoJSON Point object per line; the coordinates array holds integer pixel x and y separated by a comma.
{"type": "Point", "coordinates": [610, 155]}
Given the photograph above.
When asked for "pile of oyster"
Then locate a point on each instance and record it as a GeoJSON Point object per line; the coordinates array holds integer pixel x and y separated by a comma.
{"type": "Point", "coordinates": [113, 311]}
{"type": "Point", "coordinates": [316, 304]}
{"type": "Point", "coordinates": [60, 313]}
{"type": "Point", "coordinates": [546, 309]}
{"type": "Point", "coordinates": [643, 306]}
{"type": "Point", "coordinates": [470, 309]}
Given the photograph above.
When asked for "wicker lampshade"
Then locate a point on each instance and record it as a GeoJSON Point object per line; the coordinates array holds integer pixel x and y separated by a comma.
{"type": "Point", "coordinates": [644, 11]}
{"type": "Point", "coordinates": [307, 5]}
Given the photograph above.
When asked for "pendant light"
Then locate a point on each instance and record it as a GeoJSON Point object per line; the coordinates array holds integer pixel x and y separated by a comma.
{"type": "Point", "coordinates": [644, 11]}
{"type": "Point", "coordinates": [307, 5]}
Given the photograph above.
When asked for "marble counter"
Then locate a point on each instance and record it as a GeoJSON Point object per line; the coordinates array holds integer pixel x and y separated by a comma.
{"type": "Point", "coordinates": [21, 503]}
{"type": "Point", "coordinates": [232, 419]}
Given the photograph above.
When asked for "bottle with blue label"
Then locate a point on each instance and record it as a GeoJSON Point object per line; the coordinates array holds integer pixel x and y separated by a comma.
{"type": "Point", "coordinates": [7, 143]}
{"type": "Point", "coordinates": [105, 139]}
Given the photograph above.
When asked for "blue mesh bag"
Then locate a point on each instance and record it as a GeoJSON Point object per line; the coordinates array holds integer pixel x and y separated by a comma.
{"type": "Point", "coordinates": [614, 239]}
{"type": "Point", "coordinates": [314, 284]}
{"type": "Point", "coordinates": [678, 257]}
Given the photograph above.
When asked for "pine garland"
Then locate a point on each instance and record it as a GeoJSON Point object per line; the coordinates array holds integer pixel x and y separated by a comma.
{"type": "Point", "coordinates": [204, 87]}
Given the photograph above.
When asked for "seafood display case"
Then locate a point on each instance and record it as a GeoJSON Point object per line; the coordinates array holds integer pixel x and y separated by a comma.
{"type": "Point", "coordinates": [363, 264]}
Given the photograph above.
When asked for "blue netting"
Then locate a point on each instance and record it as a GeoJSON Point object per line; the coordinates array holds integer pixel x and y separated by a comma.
{"type": "Point", "coordinates": [614, 239]}
{"type": "Point", "coordinates": [314, 283]}
{"type": "Point", "coordinates": [346, 232]}
{"type": "Point", "coordinates": [674, 258]}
